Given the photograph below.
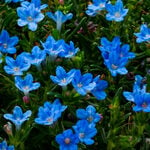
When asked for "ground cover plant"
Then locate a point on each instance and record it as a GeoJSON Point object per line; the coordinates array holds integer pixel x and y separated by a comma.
{"type": "Point", "coordinates": [74, 74]}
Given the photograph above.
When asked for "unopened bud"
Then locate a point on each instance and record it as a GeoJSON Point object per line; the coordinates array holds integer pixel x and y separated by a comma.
{"type": "Point", "coordinates": [26, 99]}
{"type": "Point", "coordinates": [8, 128]}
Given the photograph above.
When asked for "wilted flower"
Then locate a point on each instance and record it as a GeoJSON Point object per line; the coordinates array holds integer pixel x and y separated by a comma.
{"type": "Point", "coordinates": [62, 78]}
{"type": "Point", "coordinates": [26, 85]}
{"type": "Point", "coordinates": [143, 35]}
{"type": "Point", "coordinates": [116, 12]}
{"type": "Point", "coordinates": [18, 117]}
{"type": "Point", "coordinates": [50, 112]}
{"type": "Point", "coordinates": [59, 18]}
{"type": "Point", "coordinates": [84, 132]}
{"type": "Point", "coordinates": [7, 43]}
{"type": "Point", "coordinates": [67, 140]}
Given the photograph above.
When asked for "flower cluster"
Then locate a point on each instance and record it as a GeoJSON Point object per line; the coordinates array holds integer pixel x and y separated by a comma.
{"type": "Point", "coordinates": [139, 95]}
{"type": "Point", "coordinates": [3, 146]}
{"type": "Point", "coordinates": [115, 56]}
{"type": "Point", "coordinates": [83, 84]}
{"type": "Point", "coordinates": [50, 112]}
{"type": "Point", "coordinates": [115, 12]}
{"type": "Point", "coordinates": [84, 130]}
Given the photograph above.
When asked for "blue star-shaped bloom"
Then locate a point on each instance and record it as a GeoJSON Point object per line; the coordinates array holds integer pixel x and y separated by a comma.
{"type": "Point", "coordinates": [96, 7]}
{"type": "Point", "coordinates": [143, 35]}
{"type": "Point", "coordinates": [29, 16]}
{"type": "Point", "coordinates": [83, 83]}
{"type": "Point", "coordinates": [68, 50]}
{"type": "Point", "coordinates": [62, 78]}
{"type": "Point", "coordinates": [50, 112]}
{"type": "Point", "coordinates": [88, 114]}
{"type": "Point", "coordinates": [37, 4]}
{"type": "Point", "coordinates": [67, 140]}
{"type": "Point", "coordinates": [16, 67]}
{"type": "Point", "coordinates": [26, 85]}
{"type": "Point", "coordinates": [7, 43]}
{"type": "Point", "coordinates": [59, 18]}
{"type": "Point", "coordinates": [18, 117]}
{"type": "Point", "coordinates": [98, 91]}
{"type": "Point", "coordinates": [116, 12]}
{"type": "Point", "coordinates": [84, 132]}
{"type": "Point", "coordinates": [4, 146]}
{"type": "Point", "coordinates": [53, 47]}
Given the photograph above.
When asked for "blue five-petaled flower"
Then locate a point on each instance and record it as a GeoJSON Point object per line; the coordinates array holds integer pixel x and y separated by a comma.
{"type": "Point", "coordinates": [50, 112]}
{"type": "Point", "coordinates": [59, 18]}
{"type": "Point", "coordinates": [4, 146]}
{"type": "Point", "coordinates": [143, 35]}
{"type": "Point", "coordinates": [116, 12]}
{"type": "Point", "coordinates": [26, 85]}
{"type": "Point", "coordinates": [67, 140]}
{"type": "Point", "coordinates": [30, 16]}
{"type": "Point", "coordinates": [18, 117]}
{"type": "Point", "coordinates": [7, 43]}
{"type": "Point", "coordinates": [62, 78]}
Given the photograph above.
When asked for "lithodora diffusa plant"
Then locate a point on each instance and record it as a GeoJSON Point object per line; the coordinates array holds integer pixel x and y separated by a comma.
{"type": "Point", "coordinates": [74, 74]}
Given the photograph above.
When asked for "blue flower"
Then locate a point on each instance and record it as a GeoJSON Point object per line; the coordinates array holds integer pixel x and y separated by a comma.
{"type": "Point", "coordinates": [37, 4]}
{"type": "Point", "coordinates": [62, 78]}
{"type": "Point", "coordinates": [115, 56]}
{"type": "Point", "coordinates": [16, 67]}
{"type": "Point", "coordinates": [98, 91]}
{"type": "Point", "coordinates": [59, 18]}
{"type": "Point", "coordinates": [29, 16]}
{"type": "Point", "coordinates": [96, 7]}
{"type": "Point", "coordinates": [88, 114]}
{"type": "Point", "coordinates": [15, 1]}
{"type": "Point", "coordinates": [83, 83]}
{"type": "Point", "coordinates": [50, 112]}
{"type": "Point", "coordinates": [84, 132]}
{"type": "Point", "coordinates": [68, 50]}
{"type": "Point", "coordinates": [4, 146]}
{"type": "Point", "coordinates": [116, 12]}
{"type": "Point", "coordinates": [18, 117]}
{"type": "Point", "coordinates": [67, 140]}
{"type": "Point", "coordinates": [7, 43]}
{"type": "Point", "coordinates": [53, 47]}
{"type": "Point", "coordinates": [36, 57]}
{"type": "Point", "coordinates": [143, 35]}
{"type": "Point", "coordinates": [26, 85]}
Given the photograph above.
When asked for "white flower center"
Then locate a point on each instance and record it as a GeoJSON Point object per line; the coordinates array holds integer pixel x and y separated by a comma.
{"type": "Point", "coordinates": [101, 5]}
{"type": "Point", "coordinates": [79, 85]}
{"type": "Point", "coordinates": [67, 140]}
{"type": "Point", "coordinates": [16, 69]}
{"type": "Point", "coordinates": [81, 135]}
{"type": "Point", "coordinates": [63, 80]}
{"type": "Point", "coordinates": [114, 66]}
{"type": "Point", "coordinates": [29, 18]}
{"type": "Point", "coordinates": [117, 14]}
{"type": "Point", "coordinates": [5, 45]}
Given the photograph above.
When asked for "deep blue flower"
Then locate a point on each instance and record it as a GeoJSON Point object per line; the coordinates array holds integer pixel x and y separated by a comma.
{"type": "Point", "coordinates": [84, 132]}
{"type": "Point", "coordinates": [88, 114]}
{"type": "Point", "coordinates": [16, 67]}
{"type": "Point", "coordinates": [37, 4]}
{"type": "Point", "coordinates": [53, 47]}
{"type": "Point", "coordinates": [50, 112]}
{"type": "Point", "coordinates": [59, 18]}
{"type": "Point", "coordinates": [62, 78]}
{"type": "Point", "coordinates": [15, 1]}
{"type": "Point", "coordinates": [68, 50]}
{"type": "Point", "coordinates": [96, 7]}
{"type": "Point", "coordinates": [4, 146]}
{"type": "Point", "coordinates": [29, 16]}
{"type": "Point", "coordinates": [143, 35]}
{"type": "Point", "coordinates": [26, 85]}
{"type": "Point", "coordinates": [67, 140]}
{"type": "Point", "coordinates": [98, 91]}
{"type": "Point", "coordinates": [36, 57]}
{"type": "Point", "coordinates": [83, 83]}
{"type": "Point", "coordinates": [7, 43]}
{"type": "Point", "coordinates": [116, 12]}
{"type": "Point", "coordinates": [139, 88]}
{"type": "Point", "coordinates": [18, 117]}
